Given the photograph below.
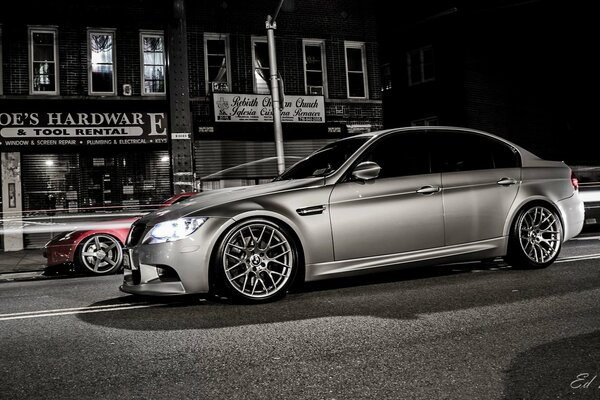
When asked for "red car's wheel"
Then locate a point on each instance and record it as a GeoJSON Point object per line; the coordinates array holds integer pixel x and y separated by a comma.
{"type": "Point", "coordinates": [100, 254]}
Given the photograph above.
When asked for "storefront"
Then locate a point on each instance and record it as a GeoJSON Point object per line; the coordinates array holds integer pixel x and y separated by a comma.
{"type": "Point", "coordinates": [61, 157]}
{"type": "Point", "coordinates": [237, 147]}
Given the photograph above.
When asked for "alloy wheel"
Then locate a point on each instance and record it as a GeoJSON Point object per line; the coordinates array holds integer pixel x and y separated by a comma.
{"type": "Point", "coordinates": [539, 234]}
{"type": "Point", "coordinates": [101, 254]}
{"type": "Point", "coordinates": [258, 260]}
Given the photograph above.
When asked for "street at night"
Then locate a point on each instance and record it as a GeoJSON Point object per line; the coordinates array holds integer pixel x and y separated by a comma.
{"type": "Point", "coordinates": [464, 331]}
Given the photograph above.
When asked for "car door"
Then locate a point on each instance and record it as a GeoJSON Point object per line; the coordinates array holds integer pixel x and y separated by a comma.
{"type": "Point", "coordinates": [480, 179]}
{"type": "Point", "coordinates": [399, 211]}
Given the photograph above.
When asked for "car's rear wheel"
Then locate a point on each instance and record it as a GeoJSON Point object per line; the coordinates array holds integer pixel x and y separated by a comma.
{"type": "Point", "coordinates": [257, 261]}
{"type": "Point", "coordinates": [536, 238]}
{"type": "Point", "coordinates": [100, 255]}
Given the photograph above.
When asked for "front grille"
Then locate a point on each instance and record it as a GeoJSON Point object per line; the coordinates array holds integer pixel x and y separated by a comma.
{"type": "Point", "coordinates": [135, 234]}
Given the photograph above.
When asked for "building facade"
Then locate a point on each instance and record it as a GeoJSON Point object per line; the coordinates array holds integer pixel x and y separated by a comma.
{"type": "Point", "coordinates": [118, 104]}
{"type": "Point", "coordinates": [515, 68]}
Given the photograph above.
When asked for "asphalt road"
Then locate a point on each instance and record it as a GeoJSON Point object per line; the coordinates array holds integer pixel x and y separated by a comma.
{"type": "Point", "coordinates": [469, 331]}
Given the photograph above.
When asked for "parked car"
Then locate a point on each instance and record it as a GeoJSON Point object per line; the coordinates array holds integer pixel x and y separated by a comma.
{"type": "Point", "coordinates": [98, 250]}
{"type": "Point", "coordinates": [372, 202]}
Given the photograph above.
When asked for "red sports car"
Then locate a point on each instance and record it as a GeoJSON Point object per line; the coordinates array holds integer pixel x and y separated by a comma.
{"type": "Point", "coordinates": [97, 251]}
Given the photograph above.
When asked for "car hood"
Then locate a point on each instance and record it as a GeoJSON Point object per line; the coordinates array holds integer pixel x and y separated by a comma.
{"type": "Point", "coordinates": [210, 204]}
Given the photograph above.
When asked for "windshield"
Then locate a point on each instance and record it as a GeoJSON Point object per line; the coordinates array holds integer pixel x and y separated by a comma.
{"type": "Point", "coordinates": [325, 160]}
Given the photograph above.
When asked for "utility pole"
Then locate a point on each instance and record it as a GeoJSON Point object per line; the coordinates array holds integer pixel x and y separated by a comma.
{"type": "Point", "coordinates": [271, 25]}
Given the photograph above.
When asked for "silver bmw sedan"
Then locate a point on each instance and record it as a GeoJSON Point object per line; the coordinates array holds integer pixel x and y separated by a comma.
{"type": "Point", "coordinates": [373, 202]}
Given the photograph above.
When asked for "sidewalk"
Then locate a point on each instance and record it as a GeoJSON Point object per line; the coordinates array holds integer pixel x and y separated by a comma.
{"type": "Point", "coordinates": [22, 261]}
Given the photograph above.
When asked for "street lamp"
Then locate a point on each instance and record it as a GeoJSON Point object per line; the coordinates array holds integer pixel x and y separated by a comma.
{"type": "Point", "coordinates": [271, 25]}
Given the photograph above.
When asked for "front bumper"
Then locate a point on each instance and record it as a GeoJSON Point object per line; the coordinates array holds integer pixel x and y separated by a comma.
{"type": "Point", "coordinates": [57, 254]}
{"type": "Point", "coordinates": [172, 268]}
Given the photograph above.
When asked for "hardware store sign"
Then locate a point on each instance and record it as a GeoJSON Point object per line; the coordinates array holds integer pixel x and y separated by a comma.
{"type": "Point", "coordinates": [259, 108]}
{"type": "Point", "coordinates": [81, 128]}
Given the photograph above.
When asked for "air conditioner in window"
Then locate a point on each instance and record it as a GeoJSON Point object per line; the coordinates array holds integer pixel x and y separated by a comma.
{"type": "Point", "coordinates": [218, 87]}
{"type": "Point", "coordinates": [315, 90]}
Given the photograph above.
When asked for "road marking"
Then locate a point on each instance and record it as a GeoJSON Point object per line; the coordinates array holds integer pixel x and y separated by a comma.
{"type": "Point", "coordinates": [71, 311]}
{"type": "Point", "coordinates": [578, 258]}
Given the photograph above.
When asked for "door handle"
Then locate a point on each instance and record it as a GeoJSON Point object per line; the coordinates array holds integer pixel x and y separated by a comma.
{"type": "Point", "coordinates": [428, 189]}
{"type": "Point", "coordinates": [506, 182]}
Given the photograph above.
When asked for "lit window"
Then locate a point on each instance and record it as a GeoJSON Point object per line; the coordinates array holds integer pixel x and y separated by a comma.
{"type": "Point", "coordinates": [260, 61]}
{"type": "Point", "coordinates": [153, 63]}
{"type": "Point", "coordinates": [420, 65]}
{"type": "Point", "coordinates": [314, 67]}
{"type": "Point", "coordinates": [356, 67]}
{"type": "Point", "coordinates": [42, 57]}
{"type": "Point", "coordinates": [216, 63]}
{"type": "Point", "coordinates": [102, 62]}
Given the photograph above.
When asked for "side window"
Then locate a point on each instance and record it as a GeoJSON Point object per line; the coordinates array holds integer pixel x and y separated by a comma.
{"type": "Point", "coordinates": [456, 151]}
{"type": "Point", "coordinates": [505, 156]}
{"type": "Point", "coordinates": [401, 154]}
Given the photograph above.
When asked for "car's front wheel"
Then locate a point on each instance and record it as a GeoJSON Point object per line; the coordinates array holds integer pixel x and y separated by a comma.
{"type": "Point", "coordinates": [100, 255]}
{"type": "Point", "coordinates": [536, 238]}
{"type": "Point", "coordinates": [257, 261]}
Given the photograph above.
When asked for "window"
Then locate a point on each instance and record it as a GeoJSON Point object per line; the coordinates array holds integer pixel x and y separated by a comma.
{"type": "Point", "coordinates": [101, 56]}
{"type": "Point", "coordinates": [216, 63]}
{"type": "Point", "coordinates": [43, 61]}
{"type": "Point", "coordinates": [315, 78]}
{"type": "Point", "coordinates": [386, 77]}
{"type": "Point", "coordinates": [153, 63]}
{"type": "Point", "coordinates": [356, 67]}
{"type": "Point", "coordinates": [420, 65]}
{"type": "Point", "coordinates": [401, 154]}
{"type": "Point", "coordinates": [260, 60]}
{"type": "Point", "coordinates": [428, 121]}
{"type": "Point", "coordinates": [468, 152]}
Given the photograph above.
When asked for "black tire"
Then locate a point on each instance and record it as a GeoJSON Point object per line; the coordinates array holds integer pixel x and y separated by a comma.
{"type": "Point", "coordinates": [99, 254]}
{"type": "Point", "coordinates": [257, 261]}
{"type": "Point", "coordinates": [536, 238]}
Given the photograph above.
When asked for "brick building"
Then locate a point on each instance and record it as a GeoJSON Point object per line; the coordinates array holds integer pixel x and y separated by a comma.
{"type": "Point", "coordinates": [119, 103]}
{"type": "Point", "coordinates": [515, 68]}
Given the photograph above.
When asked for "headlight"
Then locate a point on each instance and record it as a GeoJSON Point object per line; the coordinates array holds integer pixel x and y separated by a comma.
{"type": "Point", "coordinates": [172, 230]}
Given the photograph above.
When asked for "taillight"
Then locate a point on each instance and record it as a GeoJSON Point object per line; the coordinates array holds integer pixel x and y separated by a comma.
{"type": "Point", "coordinates": [574, 181]}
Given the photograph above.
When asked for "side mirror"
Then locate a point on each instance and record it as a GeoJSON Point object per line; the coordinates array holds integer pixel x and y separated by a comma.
{"type": "Point", "coordinates": [366, 171]}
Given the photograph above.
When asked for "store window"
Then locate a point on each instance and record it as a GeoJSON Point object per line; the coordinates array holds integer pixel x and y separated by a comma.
{"type": "Point", "coordinates": [101, 56]}
{"type": "Point", "coordinates": [260, 60]}
{"type": "Point", "coordinates": [356, 67]}
{"type": "Point", "coordinates": [216, 63]}
{"type": "Point", "coordinates": [315, 77]}
{"type": "Point", "coordinates": [153, 63]}
{"type": "Point", "coordinates": [43, 61]}
{"type": "Point", "coordinates": [420, 65]}
{"type": "Point", "coordinates": [95, 181]}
